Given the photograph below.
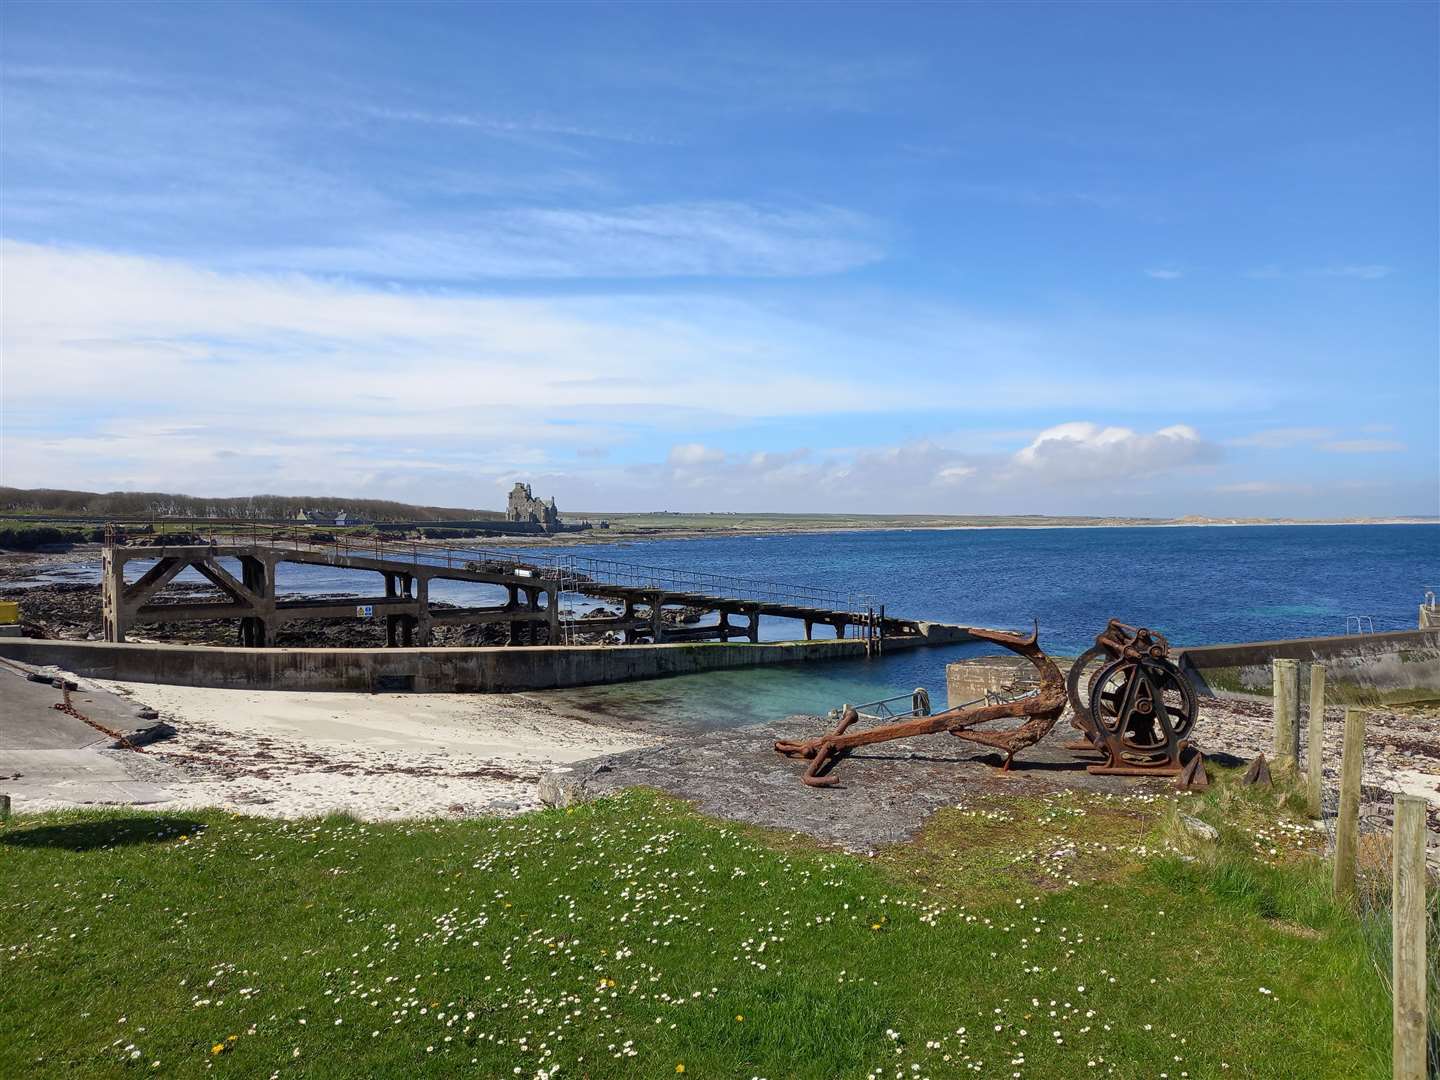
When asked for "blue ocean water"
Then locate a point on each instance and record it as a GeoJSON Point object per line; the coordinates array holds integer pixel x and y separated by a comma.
{"type": "Point", "coordinates": [1198, 585]}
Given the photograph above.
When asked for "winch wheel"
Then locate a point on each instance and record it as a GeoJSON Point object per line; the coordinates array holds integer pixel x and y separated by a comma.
{"type": "Point", "coordinates": [1139, 731]}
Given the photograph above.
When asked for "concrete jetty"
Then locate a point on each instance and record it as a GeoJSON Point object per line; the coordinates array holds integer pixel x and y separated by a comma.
{"type": "Point", "coordinates": [531, 612]}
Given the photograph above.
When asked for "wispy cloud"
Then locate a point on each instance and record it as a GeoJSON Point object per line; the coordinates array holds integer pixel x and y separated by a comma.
{"type": "Point", "coordinates": [1282, 437]}
{"type": "Point", "coordinates": [509, 127]}
{"type": "Point", "coordinates": [1359, 271]}
{"type": "Point", "coordinates": [1363, 446]}
{"type": "Point", "coordinates": [707, 239]}
{"type": "Point", "coordinates": [1165, 273]}
{"type": "Point", "coordinates": [1321, 438]}
{"type": "Point", "coordinates": [1365, 272]}
{"type": "Point", "coordinates": [283, 378]}
{"type": "Point", "coordinates": [1262, 487]}
{"type": "Point", "coordinates": [1024, 194]}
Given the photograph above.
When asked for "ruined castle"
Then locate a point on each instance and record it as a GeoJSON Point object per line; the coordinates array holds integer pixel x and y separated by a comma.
{"type": "Point", "coordinates": [524, 507]}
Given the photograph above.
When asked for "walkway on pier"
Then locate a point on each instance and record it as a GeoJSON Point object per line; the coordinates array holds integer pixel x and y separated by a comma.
{"type": "Point", "coordinates": [532, 612]}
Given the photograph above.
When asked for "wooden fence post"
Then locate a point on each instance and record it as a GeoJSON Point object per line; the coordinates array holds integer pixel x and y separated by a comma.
{"type": "Point", "coordinates": [1285, 689]}
{"type": "Point", "coordinates": [1315, 744]}
{"type": "Point", "coordinates": [1408, 940]}
{"type": "Point", "coordinates": [1347, 827]}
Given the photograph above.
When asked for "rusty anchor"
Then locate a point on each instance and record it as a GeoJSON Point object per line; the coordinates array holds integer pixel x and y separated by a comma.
{"type": "Point", "coordinates": [1041, 709]}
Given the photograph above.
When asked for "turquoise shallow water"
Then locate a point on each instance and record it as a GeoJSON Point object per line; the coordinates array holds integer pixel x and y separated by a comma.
{"type": "Point", "coordinates": [1198, 585]}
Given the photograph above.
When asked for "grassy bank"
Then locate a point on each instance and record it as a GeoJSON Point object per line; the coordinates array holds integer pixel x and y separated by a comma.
{"type": "Point", "coordinates": [1058, 937]}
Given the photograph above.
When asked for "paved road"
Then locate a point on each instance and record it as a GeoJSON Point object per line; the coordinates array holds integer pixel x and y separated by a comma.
{"type": "Point", "coordinates": [48, 757]}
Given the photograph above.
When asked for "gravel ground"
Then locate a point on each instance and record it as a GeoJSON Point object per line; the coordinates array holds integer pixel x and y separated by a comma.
{"type": "Point", "coordinates": [888, 790]}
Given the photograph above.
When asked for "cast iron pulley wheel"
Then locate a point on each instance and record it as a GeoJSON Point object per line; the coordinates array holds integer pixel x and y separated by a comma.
{"type": "Point", "coordinates": [1127, 699]}
{"type": "Point", "coordinates": [1080, 683]}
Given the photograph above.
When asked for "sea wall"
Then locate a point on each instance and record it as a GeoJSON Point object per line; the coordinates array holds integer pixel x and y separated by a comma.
{"type": "Point", "coordinates": [439, 670]}
{"type": "Point", "coordinates": [1364, 669]}
{"type": "Point", "coordinates": [1360, 669]}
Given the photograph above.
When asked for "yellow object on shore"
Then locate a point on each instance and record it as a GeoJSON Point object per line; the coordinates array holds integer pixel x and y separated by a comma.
{"type": "Point", "coordinates": [9, 612]}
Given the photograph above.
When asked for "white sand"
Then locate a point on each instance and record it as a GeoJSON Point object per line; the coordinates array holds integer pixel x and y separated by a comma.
{"type": "Point", "coordinates": [289, 754]}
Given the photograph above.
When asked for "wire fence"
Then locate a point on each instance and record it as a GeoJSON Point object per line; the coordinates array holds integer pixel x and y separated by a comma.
{"type": "Point", "coordinates": [1374, 886]}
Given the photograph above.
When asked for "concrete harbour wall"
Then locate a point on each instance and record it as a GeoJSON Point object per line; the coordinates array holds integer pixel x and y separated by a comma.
{"type": "Point", "coordinates": [1393, 668]}
{"type": "Point", "coordinates": [439, 670]}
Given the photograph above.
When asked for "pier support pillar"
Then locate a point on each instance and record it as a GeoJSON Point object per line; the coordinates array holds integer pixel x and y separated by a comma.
{"type": "Point", "coordinates": [552, 607]}
{"type": "Point", "coordinates": [512, 633]}
{"type": "Point", "coordinates": [422, 598]}
{"type": "Point", "coordinates": [392, 623]}
{"type": "Point", "coordinates": [112, 590]}
{"type": "Point", "coordinates": [258, 577]}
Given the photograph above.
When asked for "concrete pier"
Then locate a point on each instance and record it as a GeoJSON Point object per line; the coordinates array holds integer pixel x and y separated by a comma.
{"type": "Point", "coordinates": [531, 611]}
{"type": "Point", "coordinates": [405, 604]}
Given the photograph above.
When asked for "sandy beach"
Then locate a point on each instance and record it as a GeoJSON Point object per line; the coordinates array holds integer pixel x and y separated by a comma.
{"type": "Point", "coordinates": [289, 754]}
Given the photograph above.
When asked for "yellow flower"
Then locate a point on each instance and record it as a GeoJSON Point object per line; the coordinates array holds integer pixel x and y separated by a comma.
{"type": "Point", "coordinates": [680, 1067]}
{"type": "Point", "coordinates": [218, 1048]}
{"type": "Point", "coordinates": [739, 1019]}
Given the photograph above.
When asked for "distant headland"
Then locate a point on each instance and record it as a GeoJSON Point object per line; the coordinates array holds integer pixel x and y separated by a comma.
{"type": "Point", "coordinates": [535, 519]}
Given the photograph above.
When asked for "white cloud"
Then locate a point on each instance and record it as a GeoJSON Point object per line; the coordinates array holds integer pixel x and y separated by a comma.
{"type": "Point", "coordinates": [955, 474]}
{"type": "Point", "coordinates": [1164, 273]}
{"type": "Point", "coordinates": [286, 382]}
{"type": "Point", "coordinates": [1086, 451]}
{"type": "Point", "coordinates": [924, 475]}
{"type": "Point", "coordinates": [695, 454]}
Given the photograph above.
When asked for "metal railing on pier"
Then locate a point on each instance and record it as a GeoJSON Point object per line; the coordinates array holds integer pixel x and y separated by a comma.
{"type": "Point", "coordinates": [917, 703]}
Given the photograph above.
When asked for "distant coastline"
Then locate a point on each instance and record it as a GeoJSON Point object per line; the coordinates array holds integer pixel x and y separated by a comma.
{"type": "Point", "coordinates": [625, 529]}
{"type": "Point", "coordinates": [25, 508]}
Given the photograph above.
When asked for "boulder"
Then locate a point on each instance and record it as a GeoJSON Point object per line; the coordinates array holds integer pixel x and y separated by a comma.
{"type": "Point", "coordinates": [564, 788]}
{"type": "Point", "coordinates": [1199, 829]}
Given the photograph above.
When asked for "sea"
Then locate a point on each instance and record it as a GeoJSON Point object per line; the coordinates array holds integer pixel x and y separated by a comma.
{"type": "Point", "coordinates": [1197, 585]}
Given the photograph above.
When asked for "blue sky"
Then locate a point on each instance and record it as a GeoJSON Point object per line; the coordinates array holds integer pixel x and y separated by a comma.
{"type": "Point", "coordinates": [1109, 258]}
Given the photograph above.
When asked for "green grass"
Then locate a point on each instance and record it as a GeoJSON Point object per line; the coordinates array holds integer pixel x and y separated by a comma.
{"type": "Point", "coordinates": [630, 936]}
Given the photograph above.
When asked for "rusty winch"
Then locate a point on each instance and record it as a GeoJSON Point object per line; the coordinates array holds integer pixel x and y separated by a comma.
{"type": "Point", "coordinates": [1132, 704]}
{"type": "Point", "coordinates": [1134, 707]}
